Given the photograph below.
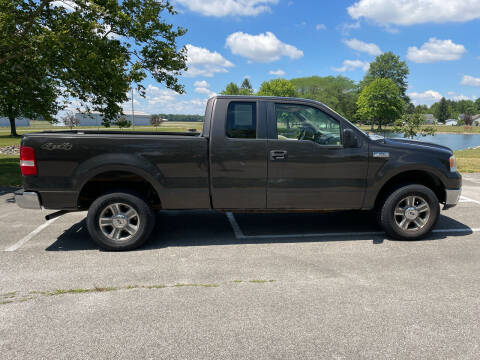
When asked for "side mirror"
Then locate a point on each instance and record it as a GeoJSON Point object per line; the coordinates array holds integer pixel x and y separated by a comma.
{"type": "Point", "coordinates": [350, 140]}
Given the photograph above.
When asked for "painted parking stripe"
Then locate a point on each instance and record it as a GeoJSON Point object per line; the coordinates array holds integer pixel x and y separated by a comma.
{"type": "Point", "coordinates": [466, 199]}
{"type": "Point", "coordinates": [236, 228]}
{"type": "Point", "coordinates": [30, 236]}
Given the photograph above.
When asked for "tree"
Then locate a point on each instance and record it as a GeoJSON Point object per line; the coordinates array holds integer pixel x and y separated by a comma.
{"type": "Point", "coordinates": [246, 88]}
{"type": "Point", "coordinates": [70, 120]}
{"type": "Point", "coordinates": [277, 87]}
{"type": "Point", "coordinates": [122, 122]}
{"type": "Point", "coordinates": [380, 102]}
{"type": "Point", "coordinates": [410, 125]}
{"type": "Point", "coordinates": [231, 89]}
{"type": "Point", "coordinates": [469, 111]}
{"type": "Point", "coordinates": [339, 93]}
{"type": "Point", "coordinates": [89, 50]}
{"type": "Point", "coordinates": [477, 104]}
{"type": "Point", "coordinates": [156, 120]}
{"type": "Point", "coordinates": [442, 112]}
{"type": "Point", "coordinates": [389, 66]}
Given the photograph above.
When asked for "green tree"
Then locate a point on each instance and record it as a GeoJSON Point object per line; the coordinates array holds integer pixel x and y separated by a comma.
{"type": "Point", "coordinates": [92, 51]}
{"type": "Point", "coordinates": [246, 88]}
{"type": "Point", "coordinates": [380, 102]}
{"type": "Point", "coordinates": [442, 112]}
{"type": "Point", "coordinates": [231, 89]}
{"type": "Point", "coordinates": [339, 93]}
{"type": "Point", "coordinates": [277, 87]}
{"type": "Point", "coordinates": [389, 66]}
{"type": "Point", "coordinates": [122, 122]}
{"type": "Point", "coordinates": [410, 125]}
{"type": "Point", "coordinates": [477, 104]}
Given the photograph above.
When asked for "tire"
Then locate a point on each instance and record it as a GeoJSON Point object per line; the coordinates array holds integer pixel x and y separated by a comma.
{"type": "Point", "coordinates": [410, 212]}
{"type": "Point", "coordinates": [120, 221]}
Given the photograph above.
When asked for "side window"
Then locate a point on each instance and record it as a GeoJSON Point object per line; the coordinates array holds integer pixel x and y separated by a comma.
{"type": "Point", "coordinates": [242, 120]}
{"type": "Point", "coordinates": [301, 122]}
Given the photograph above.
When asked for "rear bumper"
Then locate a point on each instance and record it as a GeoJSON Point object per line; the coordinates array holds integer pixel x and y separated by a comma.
{"type": "Point", "coordinates": [27, 200]}
{"type": "Point", "coordinates": [452, 196]}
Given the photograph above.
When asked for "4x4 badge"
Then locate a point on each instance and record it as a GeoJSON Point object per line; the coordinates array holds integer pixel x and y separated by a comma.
{"type": "Point", "coordinates": [52, 146]}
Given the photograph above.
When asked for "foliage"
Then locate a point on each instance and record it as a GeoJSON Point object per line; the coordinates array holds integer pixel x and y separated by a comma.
{"type": "Point", "coordinates": [389, 66]}
{"type": "Point", "coordinates": [339, 93]}
{"type": "Point", "coordinates": [277, 87]}
{"type": "Point", "coordinates": [246, 88]}
{"type": "Point", "coordinates": [380, 102]}
{"type": "Point", "coordinates": [89, 50]}
{"type": "Point", "coordinates": [122, 122]}
{"type": "Point", "coordinates": [70, 120]}
{"type": "Point", "coordinates": [156, 120]}
{"type": "Point", "coordinates": [410, 125]}
{"type": "Point", "coordinates": [442, 112]}
{"type": "Point", "coordinates": [233, 89]}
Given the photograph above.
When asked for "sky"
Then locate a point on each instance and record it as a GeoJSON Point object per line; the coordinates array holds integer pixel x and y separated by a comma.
{"type": "Point", "coordinates": [228, 40]}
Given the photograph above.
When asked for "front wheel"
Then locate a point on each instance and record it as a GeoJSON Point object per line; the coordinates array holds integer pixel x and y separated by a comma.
{"type": "Point", "coordinates": [410, 212]}
{"type": "Point", "coordinates": [120, 221]}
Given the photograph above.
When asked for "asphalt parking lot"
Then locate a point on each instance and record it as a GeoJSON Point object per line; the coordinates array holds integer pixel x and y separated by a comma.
{"type": "Point", "coordinates": [242, 286]}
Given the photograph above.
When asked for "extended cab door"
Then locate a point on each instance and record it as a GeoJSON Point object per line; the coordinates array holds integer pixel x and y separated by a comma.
{"type": "Point", "coordinates": [238, 158]}
{"type": "Point", "coordinates": [308, 166]}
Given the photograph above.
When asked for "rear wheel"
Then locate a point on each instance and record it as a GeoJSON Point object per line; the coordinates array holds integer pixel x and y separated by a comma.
{"type": "Point", "coordinates": [120, 221]}
{"type": "Point", "coordinates": [410, 212]}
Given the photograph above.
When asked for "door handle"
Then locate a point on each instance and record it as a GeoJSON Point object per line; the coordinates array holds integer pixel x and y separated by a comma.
{"type": "Point", "coordinates": [278, 155]}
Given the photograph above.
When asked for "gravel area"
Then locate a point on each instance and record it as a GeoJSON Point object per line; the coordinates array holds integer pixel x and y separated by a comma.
{"type": "Point", "coordinates": [10, 150]}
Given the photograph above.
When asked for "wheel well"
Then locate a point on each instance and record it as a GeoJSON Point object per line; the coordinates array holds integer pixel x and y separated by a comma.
{"type": "Point", "coordinates": [412, 177]}
{"type": "Point", "coordinates": [112, 180]}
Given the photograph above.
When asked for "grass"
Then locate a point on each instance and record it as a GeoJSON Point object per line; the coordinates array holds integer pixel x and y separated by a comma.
{"type": "Point", "coordinates": [12, 297]}
{"type": "Point", "coordinates": [468, 161]}
{"type": "Point", "coordinates": [10, 171]}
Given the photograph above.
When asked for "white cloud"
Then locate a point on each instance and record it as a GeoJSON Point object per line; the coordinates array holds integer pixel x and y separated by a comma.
{"type": "Point", "coordinates": [202, 62]}
{"type": "Point", "coordinates": [369, 48]}
{"type": "Point", "coordinates": [470, 81]}
{"type": "Point", "coordinates": [409, 12]}
{"type": "Point", "coordinates": [155, 95]}
{"type": "Point", "coordinates": [320, 27]}
{"type": "Point", "coordinates": [278, 72]}
{"type": "Point", "coordinates": [202, 83]}
{"type": "Point", "coordinates": [457, 97]}
{"type": "Point", "coordinates": [351, 65]}
{"type": "Point", "coordinates": [219, 8]}
{"type": "Point", "coordinates": [346, 28]}
{"type": "Point", "coordinates": [261, 48]}
{"type": "Point", "coordinates": [436, 50]}
{"type": "Point", "coordinates": [428, 97]}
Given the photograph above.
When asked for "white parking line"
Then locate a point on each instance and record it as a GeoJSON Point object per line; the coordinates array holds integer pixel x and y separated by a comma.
{"type": "Point", "coordinates": [466, 199]}
{"type": "Point", "coordinates": [239, 235]}
{"type": "Point", "coordinates": [30, 236]}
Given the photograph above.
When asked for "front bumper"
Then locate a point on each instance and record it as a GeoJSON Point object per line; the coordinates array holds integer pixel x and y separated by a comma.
{"type": "Point", "coordinates": [452, 196]}
{"type": "Point", "coordinates": [27, 200]}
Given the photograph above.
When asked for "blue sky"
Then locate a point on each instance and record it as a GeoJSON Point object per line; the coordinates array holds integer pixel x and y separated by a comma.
{"type": "Point", "coordinates": [228, 40]}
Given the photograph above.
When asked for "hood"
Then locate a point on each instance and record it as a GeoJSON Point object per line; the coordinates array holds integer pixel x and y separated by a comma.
{"type": "Point", "coordinates": [417, 144]}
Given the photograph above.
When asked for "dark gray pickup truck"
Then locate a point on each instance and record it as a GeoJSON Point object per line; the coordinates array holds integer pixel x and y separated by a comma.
{"type": "Point", "coordinates": [254, 154]}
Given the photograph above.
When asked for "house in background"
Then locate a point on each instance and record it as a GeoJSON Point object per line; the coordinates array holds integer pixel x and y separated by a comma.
{"type": "Point", "coordinates": [430, 119]}
{"type": "Point", "coordinates": [476, 120]}
{"type": "Point", "coordinates": [19, 122]}
{"type": "Point", "coordinates": [451, 122]}
{"type": "Point", "coordinates": [95, 119]}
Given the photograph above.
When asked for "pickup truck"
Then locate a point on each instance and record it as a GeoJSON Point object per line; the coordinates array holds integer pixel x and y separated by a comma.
{"type": "Point", "coordinates": [267, 154]}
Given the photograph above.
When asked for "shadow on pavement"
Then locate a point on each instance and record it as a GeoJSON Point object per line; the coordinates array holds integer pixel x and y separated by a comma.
{"type": "Point", "coordinates": [205, 228]}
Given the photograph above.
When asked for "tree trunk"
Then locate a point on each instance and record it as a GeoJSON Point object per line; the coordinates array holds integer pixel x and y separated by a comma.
{"type": "Point", "coordinates": [13, 127]}
{"type": "Point", "coordinates": [379, 126]}
{"type": "Point", "coordinates": [373, 125]}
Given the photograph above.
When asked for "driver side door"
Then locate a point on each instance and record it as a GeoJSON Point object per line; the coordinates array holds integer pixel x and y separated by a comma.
{"type": "Point", "coordinates": [308, 166]}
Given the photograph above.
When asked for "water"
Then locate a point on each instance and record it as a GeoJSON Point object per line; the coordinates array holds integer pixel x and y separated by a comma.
{"type": "Point", "coordinates": [453, 141]}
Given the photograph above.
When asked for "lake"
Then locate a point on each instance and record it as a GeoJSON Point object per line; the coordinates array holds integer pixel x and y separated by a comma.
{"type": "Point", "coordinates": [453, 141]}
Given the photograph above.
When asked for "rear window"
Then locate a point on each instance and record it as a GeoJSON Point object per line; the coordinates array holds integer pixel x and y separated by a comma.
{"type": "Point", "coordinates": [242, 120]}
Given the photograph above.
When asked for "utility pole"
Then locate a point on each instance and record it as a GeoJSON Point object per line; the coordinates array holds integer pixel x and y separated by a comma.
{"type": "Point", "coordinates": [133, 112]}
